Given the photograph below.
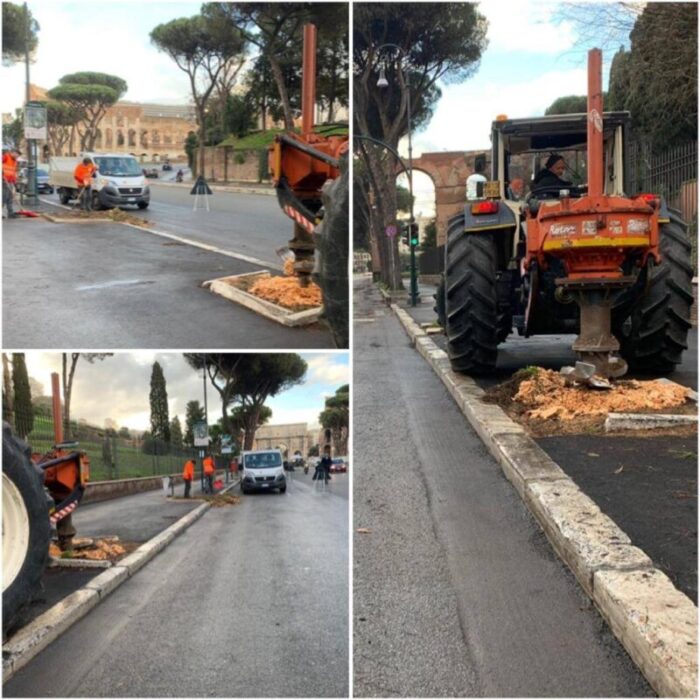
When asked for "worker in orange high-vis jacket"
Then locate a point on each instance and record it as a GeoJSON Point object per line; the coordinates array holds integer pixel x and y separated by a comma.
{"type": "Point", "coordinates": [9, 179]}
{"type": "Point", "coordinates": [83, 177]}
{"type": "Point", "coordinates": [209, 472]}
{"type": "Point", "coordinates": [188, 476]}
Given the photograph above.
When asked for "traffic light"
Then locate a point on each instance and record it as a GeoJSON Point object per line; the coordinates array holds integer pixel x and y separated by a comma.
{"type": "Point", "coordinates": [413, 240]}
{"type": "Point", "coordinates": [406, 234]}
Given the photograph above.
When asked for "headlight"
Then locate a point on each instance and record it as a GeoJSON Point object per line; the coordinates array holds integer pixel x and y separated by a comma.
{"type": "Point", "coordinates": [280, 477]}
{"type": "Point", "coordinates": [146, 190]}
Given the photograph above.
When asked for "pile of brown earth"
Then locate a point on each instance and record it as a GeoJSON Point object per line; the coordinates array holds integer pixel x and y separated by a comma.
{"type": "Point", "coordinates": [286, 291]}
{"type": "Point", "coordinates": [541, 400]}
{"type": "Point", "coordinates": [102, 549]}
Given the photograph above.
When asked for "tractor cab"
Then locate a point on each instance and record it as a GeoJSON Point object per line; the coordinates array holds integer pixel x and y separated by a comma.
{"type": "Point", "coordinates": [520, 148]}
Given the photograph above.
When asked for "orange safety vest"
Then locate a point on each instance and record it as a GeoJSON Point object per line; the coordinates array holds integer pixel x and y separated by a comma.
{"type": "Point", "coordinates": [188, 471]}
{"type": "Point", "coordinates": [83, 174]}
{"type": "Point", "coordinates": [9, 168]}
{"type": "Point", "coordinates": [209, 466]}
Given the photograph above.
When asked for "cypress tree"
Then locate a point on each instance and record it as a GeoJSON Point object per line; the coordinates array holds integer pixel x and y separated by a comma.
{"type": "Point", "coordinates": [24, 411]}
{"type": "Point", "coordinates": [160, 422]}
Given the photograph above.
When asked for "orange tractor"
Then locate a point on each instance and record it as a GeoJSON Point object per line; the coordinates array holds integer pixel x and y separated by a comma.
{"type": "Point", "coordinates": [588, 258]}
{"type": "Point", "coordinates": [309, 171]}
{"type": "Point", "coordinates": [39, 492]}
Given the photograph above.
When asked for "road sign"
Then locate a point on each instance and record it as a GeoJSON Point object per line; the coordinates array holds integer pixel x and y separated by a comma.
{"type": "Point", "coordinates": [35, 122]}
{"type": "Point", "coordinates": [201, 434]}
{"type": "Point", "coordinates": [200, 186]}
{"type": "Point", "coordinates": [226, 450]}
{"type": "Point", "coordinates": [391, 230]}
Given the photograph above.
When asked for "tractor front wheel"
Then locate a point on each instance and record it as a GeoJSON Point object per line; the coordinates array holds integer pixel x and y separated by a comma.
{"type": "Point", "coordinates": [25, 527]}
{"type": "Point", "coordinates": [471, 299]}
{"type": "Point", "coordinates": [654, 336]}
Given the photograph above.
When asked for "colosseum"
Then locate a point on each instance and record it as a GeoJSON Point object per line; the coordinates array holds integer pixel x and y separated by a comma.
{"type": "Point", "coordinates": [148, 131]}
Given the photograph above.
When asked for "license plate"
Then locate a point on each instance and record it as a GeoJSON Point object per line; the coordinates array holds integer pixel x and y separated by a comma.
{"type": "Point", "coordinates": [265, 485]}
{"type": "Point", "coordinates": [132, 199]}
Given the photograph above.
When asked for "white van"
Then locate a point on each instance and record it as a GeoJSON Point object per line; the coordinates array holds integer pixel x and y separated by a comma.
{"type": "Point", "coordinates": [119, 180]}
{"type": "Point", "coordinates": [262, 470]}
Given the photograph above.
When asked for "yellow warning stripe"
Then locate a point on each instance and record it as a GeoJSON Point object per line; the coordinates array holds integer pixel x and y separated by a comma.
{"type": "Point", "coordinates": [596, 242]}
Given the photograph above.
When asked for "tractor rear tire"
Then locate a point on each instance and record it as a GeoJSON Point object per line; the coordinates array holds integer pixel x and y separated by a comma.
{"type": "Point", "coordinates": [471, 299]}
{"type": "Point", "coordinates": [26, 529]}
{"type": "Point", "coordinates": [654, 336]}
{"type": "Point", "coordinates": [332, 242]}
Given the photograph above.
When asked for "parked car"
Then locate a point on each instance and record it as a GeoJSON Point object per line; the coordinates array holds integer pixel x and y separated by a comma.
{"type": "Point", "coordinates": [167, 166]}
{"type": "Point", "coordinates": [42, 181]}
{"type": "Point", "coordinates": [152, 172]}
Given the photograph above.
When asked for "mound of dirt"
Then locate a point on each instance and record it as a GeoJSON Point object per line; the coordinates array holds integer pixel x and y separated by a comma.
{"type": "Point", "coordinates": [223, 499]}
{"type": "Point", "coordinates": [541, 400]}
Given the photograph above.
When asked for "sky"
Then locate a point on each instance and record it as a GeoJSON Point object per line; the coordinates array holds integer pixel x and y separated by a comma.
{"type": "Point", "coordinates": [106, 37]}
{"type": "Point", "coordinates": [532, 58]}
{"type": "Point", "coordinates": [118, 387]}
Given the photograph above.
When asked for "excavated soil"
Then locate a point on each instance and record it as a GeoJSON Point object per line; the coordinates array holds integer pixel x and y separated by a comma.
{"type": "Point", "coordinates": [540, 400]}
{"type": "Point", "coordinates": [102, 549]}
{"type": "Point", "coordinates": [223, 499]}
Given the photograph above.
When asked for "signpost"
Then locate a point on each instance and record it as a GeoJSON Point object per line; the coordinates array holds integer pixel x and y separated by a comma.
{"type": "Point", "coordinates": [35, 128]}
{"type": "Point", "coordinates": [391, 230]}
{"type": "Point", "coordinates": [201, 434]}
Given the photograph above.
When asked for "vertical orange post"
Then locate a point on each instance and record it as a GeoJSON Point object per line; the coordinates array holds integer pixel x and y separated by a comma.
{"type": "Point", "coordinates": [308, 82]}
{"type": "Point", "coordinates": [595, 123]}
{"type": "Point", "coordinates": [57, 411]}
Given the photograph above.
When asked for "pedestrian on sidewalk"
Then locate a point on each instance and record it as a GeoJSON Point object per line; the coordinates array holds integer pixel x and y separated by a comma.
{"type": "Point", "coordinates": [209, 472]}
{"type": "Point", "coordinates": [83, 177]}
{"type": "Point", "coordinates": [9, 180]}
{"type": "Point", "coordinates": [187, 476]}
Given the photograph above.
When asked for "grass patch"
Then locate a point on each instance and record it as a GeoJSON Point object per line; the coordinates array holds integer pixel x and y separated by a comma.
{"type": "Point", "coordinates": [264, 139]}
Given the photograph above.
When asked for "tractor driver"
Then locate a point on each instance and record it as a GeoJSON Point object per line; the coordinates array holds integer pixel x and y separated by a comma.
{"type": "Point", "coordinates": [550, 177]}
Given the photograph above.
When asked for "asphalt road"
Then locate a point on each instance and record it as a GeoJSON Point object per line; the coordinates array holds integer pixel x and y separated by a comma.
{"type": "Point", "coordinates": [99, 286]}
{"type": "Point", "coordinates": [251, 601]}
{"type": "Point", "coordinates": [249, 224]}
{"type": "Point", "coordinates": [456, 590]}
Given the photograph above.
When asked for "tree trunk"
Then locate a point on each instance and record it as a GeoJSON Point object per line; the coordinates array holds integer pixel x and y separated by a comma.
{"type": "Point", "coordinates": [202, 130]}
{"type": "Point", "coordinates": [284, 95]}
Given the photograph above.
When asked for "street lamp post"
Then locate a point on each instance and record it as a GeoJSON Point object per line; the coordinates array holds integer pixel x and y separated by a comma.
{"type": "Point", "coordinates": [383, 83]}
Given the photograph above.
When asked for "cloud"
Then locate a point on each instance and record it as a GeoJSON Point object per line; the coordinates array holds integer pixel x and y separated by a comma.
{"type": "Point", "coordinates": [326, 369]}
{"type": "Point", "coordinates": [462, 120]}
{"type": "Point", "coordinates": [527, 26]}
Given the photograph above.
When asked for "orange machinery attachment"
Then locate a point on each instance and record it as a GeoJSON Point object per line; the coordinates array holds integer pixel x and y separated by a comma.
{"type": "Point", "coordinates": [593, 236]}
{"type": "Point", "coordinates": [66, 472]}
{"type": "Point", "coordinates": [301, 164]}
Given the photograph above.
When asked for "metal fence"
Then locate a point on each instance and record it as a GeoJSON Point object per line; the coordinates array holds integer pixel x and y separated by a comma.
{"type": "Point", "coordinates": [672, 173]}
{"type": "Point", "coordinates": [112, 457]}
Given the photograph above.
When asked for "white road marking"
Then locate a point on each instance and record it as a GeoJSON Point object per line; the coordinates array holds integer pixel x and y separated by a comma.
{"type": "Point", "coordinates": [190, 242]}
{"type": "Point", "coordinates": [115, 283]}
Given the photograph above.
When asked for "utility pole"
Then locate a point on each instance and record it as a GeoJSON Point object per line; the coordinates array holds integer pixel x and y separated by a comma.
{"type": "Point", "coordinates": [31, 143]}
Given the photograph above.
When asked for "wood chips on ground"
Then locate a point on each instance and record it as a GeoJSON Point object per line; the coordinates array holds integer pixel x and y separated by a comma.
{"type": "Point", "coordinates": [540, 400]}
{"type": "Point", "coordinates": [286, 292]}
{"type": "Point", "coordinates": [117, 215]}
{"type": "Point", "coordinates": [223, 499]}
{"type": "Point", "coordinates": [102, 549]}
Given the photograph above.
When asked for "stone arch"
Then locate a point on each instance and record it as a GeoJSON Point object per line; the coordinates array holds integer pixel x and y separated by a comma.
{"type": "Point", "coordinates": [143, 139]}
{"type": "Point", "coordinates": [98, 139]}
{"type": "Point", "coordinates": [120, 137]}
{"type": "Point", "coordinates": [167, 139]}
{"type": "Point", "coordinates": [132, 138]}
{"type": "Point", "coordinates": [155, 137]}
{"type": "Point", "coordinates": [449, 171]}
{"type": "Point", "coordinates": [108, 138]}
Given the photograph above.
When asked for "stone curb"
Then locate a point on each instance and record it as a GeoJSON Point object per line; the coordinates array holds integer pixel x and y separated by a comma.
{"type": "Point", "coordinates": [18, 651]}
{"type": "Point", "coordinates": [654, 621]}
{"type": "Point", "coordinates": [646, 421]}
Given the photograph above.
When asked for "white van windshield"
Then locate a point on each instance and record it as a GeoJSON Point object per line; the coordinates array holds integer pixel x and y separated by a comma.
{"type": "Point", "coordinates": [263, 460]}
{"type": "Point", "coordinates": [118, 167]}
